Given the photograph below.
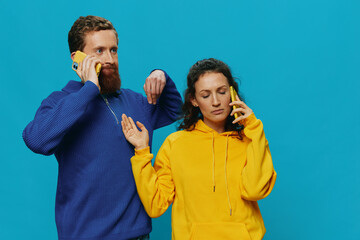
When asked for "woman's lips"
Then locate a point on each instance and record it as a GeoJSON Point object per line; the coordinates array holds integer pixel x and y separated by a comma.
{"type": "Point", "coordinates": [218, 111]}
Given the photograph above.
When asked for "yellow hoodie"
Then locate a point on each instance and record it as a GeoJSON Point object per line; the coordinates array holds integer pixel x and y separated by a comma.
{"type": "Point", "coordinates": [212, 179]}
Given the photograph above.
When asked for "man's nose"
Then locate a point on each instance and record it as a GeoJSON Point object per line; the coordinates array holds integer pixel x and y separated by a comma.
{"type": "Point", "coordinates": [108, 58]}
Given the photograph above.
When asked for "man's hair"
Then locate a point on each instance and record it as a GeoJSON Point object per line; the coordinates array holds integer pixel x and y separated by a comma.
{"type": "Point", "coordinates": [84, 25]}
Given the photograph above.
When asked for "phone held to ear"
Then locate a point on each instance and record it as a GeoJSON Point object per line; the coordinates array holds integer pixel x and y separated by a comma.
{"type": "Point", "coordinates": [233, 98]}
{"type": "Point", "coordinates": [78, 57]}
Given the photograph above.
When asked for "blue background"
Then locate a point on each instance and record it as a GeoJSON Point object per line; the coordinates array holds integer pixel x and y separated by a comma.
{"type": "Point", "coordinates": [298, 62]}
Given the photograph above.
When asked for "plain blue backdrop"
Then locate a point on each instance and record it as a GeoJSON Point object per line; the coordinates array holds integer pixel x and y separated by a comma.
{"type": "Point", "coordinates": [298, 63]}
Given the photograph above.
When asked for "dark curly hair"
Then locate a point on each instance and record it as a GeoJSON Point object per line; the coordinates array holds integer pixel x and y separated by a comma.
{"type": "Point", "coordinates": [191, 114]}
{"type": "Point", "coordinates": [84, 25]}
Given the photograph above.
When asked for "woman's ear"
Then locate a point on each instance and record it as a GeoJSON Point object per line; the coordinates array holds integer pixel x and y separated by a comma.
{"type": "Point", "coordinates": [194, 102]}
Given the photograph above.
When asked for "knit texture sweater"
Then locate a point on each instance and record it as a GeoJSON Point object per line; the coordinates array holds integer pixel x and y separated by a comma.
{"type": "Point", "coordinates": [96, 195]}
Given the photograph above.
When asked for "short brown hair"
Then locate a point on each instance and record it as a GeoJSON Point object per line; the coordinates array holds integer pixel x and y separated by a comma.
{"type": "Point", "coordinates": [83, 25]}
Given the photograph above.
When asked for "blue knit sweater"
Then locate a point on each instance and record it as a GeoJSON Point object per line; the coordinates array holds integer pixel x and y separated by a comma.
{"type": "Point", "coordinates": [96, 196]}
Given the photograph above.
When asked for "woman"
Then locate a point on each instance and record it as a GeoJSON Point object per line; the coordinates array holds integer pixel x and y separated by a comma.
{"type": "Point", "coordinates": [214, 170]}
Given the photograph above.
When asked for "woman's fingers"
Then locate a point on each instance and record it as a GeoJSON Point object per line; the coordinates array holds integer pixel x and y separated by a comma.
{"type": "Point", "coordinates": [238, 110]}
{"type": "Point", "coordinates": [238, 103]}
{"type": "Point", "coordinates": [241, 108]}
{"type": "Point", "coordinates": [239, 119]}
{"type": "Point", "coordinates": [141, 126]}
{"type": "Point", "coordinates": [132, 124]}
{"type": "Point", "coordinates": [128, 124]}
{"type": "Point", "coordinates": [125, 123]}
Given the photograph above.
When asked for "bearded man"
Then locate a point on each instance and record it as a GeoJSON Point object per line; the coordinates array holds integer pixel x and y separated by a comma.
{"type": "Point", "coordinates": [96, 196]}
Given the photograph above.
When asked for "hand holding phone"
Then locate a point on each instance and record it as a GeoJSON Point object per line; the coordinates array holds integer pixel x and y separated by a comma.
{"type": "Point", "coordinates": [243, 110]}
{"type": "Point", "coordinates": [233, 98]}
{"type": "Point", "coordinates": [79, 57]}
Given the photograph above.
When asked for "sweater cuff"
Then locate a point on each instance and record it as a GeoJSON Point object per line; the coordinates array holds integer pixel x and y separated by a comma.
{"type": "Point", "coordinates": [90, 88]}
{"type": "Point", "coordinates": [250, 119]}
{"type": "Point", "coordinates": [142, 152]}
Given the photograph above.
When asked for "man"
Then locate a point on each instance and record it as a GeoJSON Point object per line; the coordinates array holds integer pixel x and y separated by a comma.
{"type": "Point", "coordinates": [96, 195]}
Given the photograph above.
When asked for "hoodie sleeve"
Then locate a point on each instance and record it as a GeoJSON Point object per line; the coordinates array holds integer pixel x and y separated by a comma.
{"type": "Point", "coordinates": [55, 116]}
{"type": "Point", "coordinates": [168, 107]}
{"type": "Point", "coordinates": [154, 184]}
{"type": "Point", "coordinates": [258, 174]}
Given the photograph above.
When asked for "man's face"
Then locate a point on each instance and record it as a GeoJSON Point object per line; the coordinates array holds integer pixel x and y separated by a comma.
{"type": "Point", "coordinates": [103, 45]}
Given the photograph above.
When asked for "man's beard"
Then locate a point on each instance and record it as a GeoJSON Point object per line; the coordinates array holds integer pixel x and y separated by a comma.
{"type": "Point", "coordinates": [109, 79]}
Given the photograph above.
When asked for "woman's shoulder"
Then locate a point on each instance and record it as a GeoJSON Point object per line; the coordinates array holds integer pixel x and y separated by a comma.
{"type": "Point", "coordinates": [178, 135]}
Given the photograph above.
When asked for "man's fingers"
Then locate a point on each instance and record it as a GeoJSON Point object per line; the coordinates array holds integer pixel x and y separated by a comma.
{"type": "Point", "coordinates": [152, 84]}
{"type": "Point", "coordinates": [158, 87]}
{"type": "Point", "coordinates": [162, 85]}
{"type": "Point", "coordinates": [153, 87]}
{"type": "Point", "coordinates": [147, 90]}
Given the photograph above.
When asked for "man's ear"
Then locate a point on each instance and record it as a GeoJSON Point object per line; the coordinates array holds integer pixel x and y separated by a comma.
{"type": "Point", "coordinates": [72, 55]}
{"type": "Point", "coordinates": [194, 102]}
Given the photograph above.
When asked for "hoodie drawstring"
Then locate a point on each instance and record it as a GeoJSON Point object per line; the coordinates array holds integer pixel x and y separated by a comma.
{"type": "Point", "coordinates": [227, 188]}
{"type": "Point", "coordinates": [225, 164]}
{"type": "Point", "coordinates": [213, 152]}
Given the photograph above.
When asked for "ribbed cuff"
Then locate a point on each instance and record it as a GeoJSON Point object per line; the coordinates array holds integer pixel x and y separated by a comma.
{"type": "Point", "coordinates": [250, 119]}
{"type": "Point", "coordinates": [142, 152]}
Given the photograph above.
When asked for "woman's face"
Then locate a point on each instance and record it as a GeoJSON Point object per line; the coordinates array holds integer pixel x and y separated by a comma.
{"type": "Point", "coordinates": [212, 96]}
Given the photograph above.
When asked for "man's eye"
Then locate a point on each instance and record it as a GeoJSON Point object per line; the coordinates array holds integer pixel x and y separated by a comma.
{"type": "Point", "coordinates": [99, 51]}
{"type": "Point", "coordinates": [114, 50]}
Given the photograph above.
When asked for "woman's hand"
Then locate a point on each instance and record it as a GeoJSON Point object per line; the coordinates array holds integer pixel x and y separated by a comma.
{"type": "Point", "coordinates": [139, 139]}
{"type": "Point", "coordinates": [241, 108]}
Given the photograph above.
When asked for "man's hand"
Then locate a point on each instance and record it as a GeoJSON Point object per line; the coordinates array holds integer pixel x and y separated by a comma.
{"type": "Point", "coordinates": [139, 139]}
{"type": "Point", "coordinates": [154, 85]}
{"type": "Point", "coordinates": [87, 72]}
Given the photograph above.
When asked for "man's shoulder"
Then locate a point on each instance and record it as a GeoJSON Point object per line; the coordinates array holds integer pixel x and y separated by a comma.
{"type": "Point", "coordinates": [70, 87]}
{"type": "Point", "coordinates": [130, 94]}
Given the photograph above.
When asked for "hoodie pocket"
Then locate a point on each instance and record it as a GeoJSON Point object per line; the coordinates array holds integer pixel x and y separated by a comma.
{"type": "Point", "coordinates": [221, 230]}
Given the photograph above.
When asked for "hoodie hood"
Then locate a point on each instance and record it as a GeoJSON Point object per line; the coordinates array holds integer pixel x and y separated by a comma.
{"type": "Point", "coordinates": [201, 127]}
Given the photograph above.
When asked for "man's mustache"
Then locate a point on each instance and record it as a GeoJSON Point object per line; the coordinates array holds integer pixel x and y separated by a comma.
{"type": "Point", "coordinates": [108, 66]}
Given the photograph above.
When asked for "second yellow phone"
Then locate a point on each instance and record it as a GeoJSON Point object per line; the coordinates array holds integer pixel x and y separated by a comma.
{"type": "Point", "coordinates": [78, 57]}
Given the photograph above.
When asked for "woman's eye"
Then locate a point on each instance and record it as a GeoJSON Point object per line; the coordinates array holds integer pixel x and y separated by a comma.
{"type": "Point", "coordinates": [205, 96]}
{"type": "Point", "coordinates": [222, 92]}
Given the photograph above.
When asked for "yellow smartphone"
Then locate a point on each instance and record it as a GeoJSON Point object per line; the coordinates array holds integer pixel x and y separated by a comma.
{"type": "Point", "coordinates": [233, 98]}
{"type": "Point", "coordinates": [78, 57]}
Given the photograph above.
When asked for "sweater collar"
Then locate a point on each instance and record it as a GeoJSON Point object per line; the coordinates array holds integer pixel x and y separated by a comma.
{"type": "Point", "coordinates": [74, 86]}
